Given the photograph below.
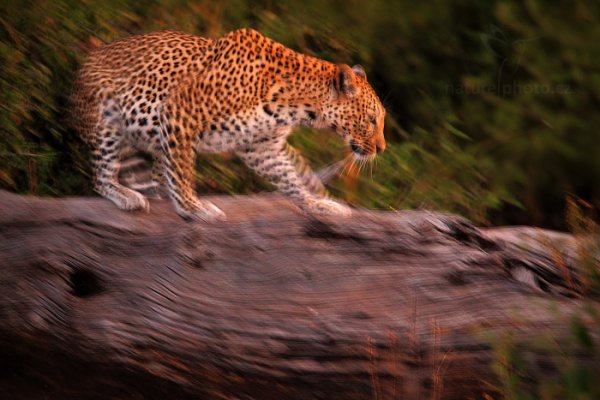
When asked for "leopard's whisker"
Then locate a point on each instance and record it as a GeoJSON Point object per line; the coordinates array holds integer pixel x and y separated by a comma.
{"type": "Point", "coordinates": [347, 166]}
{"type": "Point", "coordinates": [356, 166]}
{"type": "Point", "coordinates": [332, 170]}
{"type": "Point", "coordinates": [351, 167]}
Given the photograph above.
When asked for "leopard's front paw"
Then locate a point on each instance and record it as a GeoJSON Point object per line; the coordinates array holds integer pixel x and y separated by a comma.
{"type": "Point", "coordinates": [327, 207]}
{"type": "Point", "coordinates": [125, 198]}
{"type": "Point", "coordinates": [136, 202]}
{"type": "Point", "coordinates": [203, 211]}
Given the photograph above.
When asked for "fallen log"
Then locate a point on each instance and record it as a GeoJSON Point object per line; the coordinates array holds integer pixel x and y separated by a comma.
{"type": "Point", "coordinates": [96, 303]}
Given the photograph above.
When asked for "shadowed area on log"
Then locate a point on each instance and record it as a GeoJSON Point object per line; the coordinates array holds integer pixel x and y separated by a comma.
{"type": "Point", "coordinates": [98, 303]}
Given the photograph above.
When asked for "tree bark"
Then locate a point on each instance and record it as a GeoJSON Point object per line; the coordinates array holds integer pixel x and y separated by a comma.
{"type": "Point", "coordinates": [96, 303]}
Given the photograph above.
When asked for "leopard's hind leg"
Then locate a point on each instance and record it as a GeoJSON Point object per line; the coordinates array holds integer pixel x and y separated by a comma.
{"type": "Point", "coordinates": [107, 143]}
{"type": "Point", "coordinates": [158, 176]}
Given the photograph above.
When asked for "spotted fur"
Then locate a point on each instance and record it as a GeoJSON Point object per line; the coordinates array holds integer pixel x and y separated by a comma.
{"type": "Point", "coordinates": [171, 94]}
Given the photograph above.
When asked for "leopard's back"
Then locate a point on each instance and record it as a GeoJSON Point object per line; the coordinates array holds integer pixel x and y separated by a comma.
{"type": "Point", "coordinates": [131, 77]}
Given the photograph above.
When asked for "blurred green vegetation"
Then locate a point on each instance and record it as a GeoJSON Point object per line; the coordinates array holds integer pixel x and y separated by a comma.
{"type": "Point", "coordinates": [559, 360]}
{"type": "Point", "coordinates": [492, 105]}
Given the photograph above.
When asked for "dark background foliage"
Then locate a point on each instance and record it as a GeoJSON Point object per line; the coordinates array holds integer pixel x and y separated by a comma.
{"type": "Point", "coordinates": [492, 105]}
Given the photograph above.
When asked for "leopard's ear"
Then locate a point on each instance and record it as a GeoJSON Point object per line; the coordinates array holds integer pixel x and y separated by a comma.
{"type": "Point", "coordinates": [345, 81]}
{"type": "Point", "coordinates": [360, 71]}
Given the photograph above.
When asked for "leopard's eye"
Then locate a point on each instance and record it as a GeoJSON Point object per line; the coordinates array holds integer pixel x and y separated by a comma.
{"type": "Point", "coordinates": [372, 120]}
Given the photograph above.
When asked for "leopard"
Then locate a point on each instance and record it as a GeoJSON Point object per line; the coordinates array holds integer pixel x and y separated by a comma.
{"type": "Point", "coordinates": [173, 95]}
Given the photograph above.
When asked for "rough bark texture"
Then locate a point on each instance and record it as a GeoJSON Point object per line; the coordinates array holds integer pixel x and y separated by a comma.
{"type": "Point", "coordinates": [272, 304]}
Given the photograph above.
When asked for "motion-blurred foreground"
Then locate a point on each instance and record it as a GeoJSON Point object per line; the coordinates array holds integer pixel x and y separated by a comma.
{"type": "Point", "coordinates": [491, 105]}
{"type": "Point", "coordinates": [96, 303]}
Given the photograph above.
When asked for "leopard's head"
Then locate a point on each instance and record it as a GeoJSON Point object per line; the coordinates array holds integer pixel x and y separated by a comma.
{"type": "Point", "coordinates": [355, 112]}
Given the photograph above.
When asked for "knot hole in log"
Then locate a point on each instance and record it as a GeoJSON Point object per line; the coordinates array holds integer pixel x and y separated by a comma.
{"type": "Point", "coordinates": [85, 283]}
